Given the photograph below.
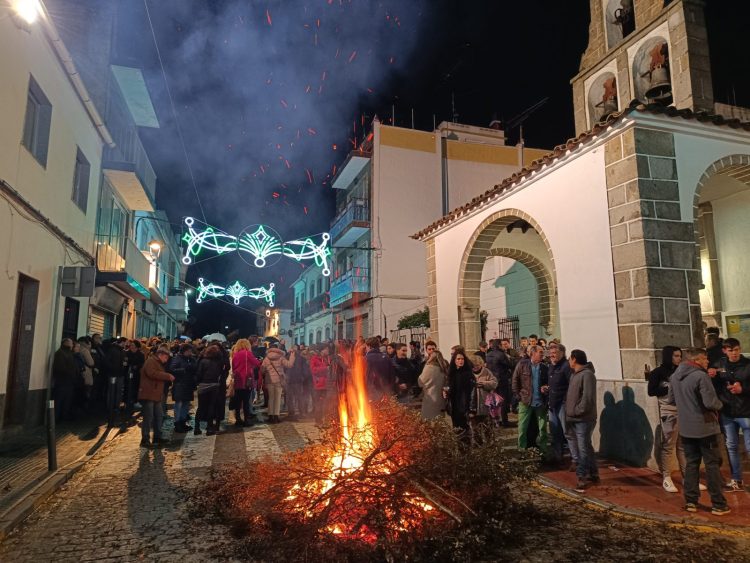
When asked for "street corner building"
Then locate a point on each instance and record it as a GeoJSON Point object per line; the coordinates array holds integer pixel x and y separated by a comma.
{"type": "Point", "coordinates": [629, 236]}
{"type": "Point", "coordinates": [78, 191]}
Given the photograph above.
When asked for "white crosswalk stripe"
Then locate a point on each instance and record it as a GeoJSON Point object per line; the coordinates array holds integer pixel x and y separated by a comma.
{"type": "Point", "coordinates": [260, 441]}
{"type": "Point", "coordinates": [196, 451]}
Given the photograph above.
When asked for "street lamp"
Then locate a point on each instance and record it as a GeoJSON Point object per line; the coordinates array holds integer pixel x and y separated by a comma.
{"type": "Point", "coordinates": [28, 10]}
{"type": "Point", "coordinates": [154, 249]}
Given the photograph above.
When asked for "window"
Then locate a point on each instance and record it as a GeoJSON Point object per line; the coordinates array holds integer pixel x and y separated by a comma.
{"type": "Point", "coordinates": [37, 123]}
{"type": "Point", "coordinates": [328, 333]}
{"type": "Point", "coordinates": [81, 178]}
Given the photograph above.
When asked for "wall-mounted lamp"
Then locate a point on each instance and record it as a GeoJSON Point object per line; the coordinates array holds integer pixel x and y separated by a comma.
{"type": "Point", "coordinates": [154, 249]}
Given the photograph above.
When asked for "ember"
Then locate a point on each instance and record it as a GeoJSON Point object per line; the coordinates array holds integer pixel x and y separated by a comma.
{"type": "Point", "coordinates": [379, 480]}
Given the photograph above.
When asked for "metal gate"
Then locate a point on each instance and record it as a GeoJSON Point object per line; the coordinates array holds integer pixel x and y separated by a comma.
{"type": "Point", "coordinates": [509, 328]}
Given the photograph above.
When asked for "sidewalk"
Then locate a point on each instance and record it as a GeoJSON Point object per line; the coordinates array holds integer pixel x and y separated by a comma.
{"type": "Point", "coordinates": [638, 490]}
{"type": "Point", "coordinates": [24, 478]}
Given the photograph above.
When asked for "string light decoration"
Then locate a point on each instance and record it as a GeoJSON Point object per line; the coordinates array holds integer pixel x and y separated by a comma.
{"type": "Point", "coordinates": [308, 250]}
{"type": "Point", "coordinates": [260, 243]}
{"type": "Point", "coordinates": [237, 291]}
{"type": "Point", "coordinates": [207, 239]}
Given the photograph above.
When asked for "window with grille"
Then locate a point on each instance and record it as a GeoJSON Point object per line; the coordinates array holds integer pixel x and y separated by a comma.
{"type": "Point", "coordinates": [37, 123]}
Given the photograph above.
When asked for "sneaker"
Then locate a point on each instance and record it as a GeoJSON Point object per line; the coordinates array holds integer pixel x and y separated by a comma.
{"type": "Point", "coordinates": [734, 486]}
{"type": "Point", "coordinates": [702, 487]}
{"type": "Point", "coordinates": [691, 507]}
{"type": "Point", "coordinates": [669, 485]}
{"type": "Point", "coordinates": [580, 486]}
{"type": "Point", "coordinates": [720, 510]}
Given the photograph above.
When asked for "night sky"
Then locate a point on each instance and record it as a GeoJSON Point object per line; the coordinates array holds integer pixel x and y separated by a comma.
{"type": "Point", "coordinates": [271, 96]}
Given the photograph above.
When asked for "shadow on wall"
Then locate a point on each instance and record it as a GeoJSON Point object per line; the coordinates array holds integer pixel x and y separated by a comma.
{"type": "Point", "coordinates": [626, 434]}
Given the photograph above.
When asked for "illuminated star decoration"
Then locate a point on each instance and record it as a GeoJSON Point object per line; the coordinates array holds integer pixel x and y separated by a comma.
{"type": "Point", "coordinates": [237, 291]}
{"type": "Point", "coordinates": [207, 239]}
{"type": "Point", "coordinates": [260, 242]}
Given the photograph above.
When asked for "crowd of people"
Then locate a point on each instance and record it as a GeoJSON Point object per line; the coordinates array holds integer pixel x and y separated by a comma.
{"type": "Point", "coordinates": [703, 394]}
{"type": "Point", "coordinates": [704, 401]}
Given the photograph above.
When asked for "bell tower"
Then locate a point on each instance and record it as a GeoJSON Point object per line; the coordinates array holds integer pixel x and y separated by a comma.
{"type": "Point", "coordinates": [655, 51]}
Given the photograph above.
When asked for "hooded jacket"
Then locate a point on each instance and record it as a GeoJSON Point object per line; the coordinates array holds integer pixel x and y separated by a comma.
{"type": "Point", "coordinates": [697, 404]}
{"type": "Point", "coordinates": [580, 402]}
{"type": "Point", "coordinates": [658, 381]}
{"type": "Point", "coordinates": [274, 366]}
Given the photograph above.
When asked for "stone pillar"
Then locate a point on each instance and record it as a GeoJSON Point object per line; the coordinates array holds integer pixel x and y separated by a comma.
{"type": "Point", "coordinates": [653, 251]}
{"type": "Point", "coordinates": [469, 327]}
{"type": "Point", "coordinates": [689, 58]}
{"type": "Point", "coordinates": [432, 290]}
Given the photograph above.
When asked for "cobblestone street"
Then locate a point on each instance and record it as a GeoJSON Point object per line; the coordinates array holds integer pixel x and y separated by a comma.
{"type": "Point", "coordinates": [132, 504]}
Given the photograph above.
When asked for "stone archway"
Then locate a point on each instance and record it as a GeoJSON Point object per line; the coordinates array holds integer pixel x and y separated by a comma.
{"type": "Point", "coordinates": [735, 167]}
{"type": "Point", "coordinates": [479, 248]}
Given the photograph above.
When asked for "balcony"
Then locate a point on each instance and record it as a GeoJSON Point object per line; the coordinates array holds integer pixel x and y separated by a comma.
{"type": "Point", "coordinates": [126, 165]}
{"type": "Point", "coordinates": [351, 223]}
{"type": "Point", "coordinates": [157, 294]}
{"type": "Point", "coordinates": [178, 306]}
{"type": "Point", "coordinates": [316, 305]}
{"type": "Point", "coordinates": [353, 284]}
{"type": "Point", "coordinates": [130, 273]}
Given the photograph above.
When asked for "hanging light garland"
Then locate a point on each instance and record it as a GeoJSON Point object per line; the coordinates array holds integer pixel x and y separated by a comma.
{"type": "Point", "coordinates": [258, 245]}
{"type": "Point", "coordinates": [237, 291]}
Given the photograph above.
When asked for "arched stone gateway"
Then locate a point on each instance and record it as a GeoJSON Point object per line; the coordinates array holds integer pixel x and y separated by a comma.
{"type": "Point", "coordinates": [480, 247]}
{"type": "Point", "coordinates": [717, 194]}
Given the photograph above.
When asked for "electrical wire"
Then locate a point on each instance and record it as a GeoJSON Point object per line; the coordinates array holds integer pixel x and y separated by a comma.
{"type": "Point", "coordinates": [174, 111]}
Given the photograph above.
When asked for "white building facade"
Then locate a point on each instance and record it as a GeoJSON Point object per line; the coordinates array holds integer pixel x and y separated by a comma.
{"type": "Point", "coordinates": [51, 144]}
{"type": "Point", "coordinates": [312, 320]}
{"type": "Point", "coordinates": [403, 177]}
{"type": "Point", "coordinates": [631, 232]}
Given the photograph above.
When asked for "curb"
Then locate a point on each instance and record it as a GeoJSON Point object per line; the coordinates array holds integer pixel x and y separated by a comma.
{"type": "Point", "coordinates": [47, 485]}
{"type": "Point", "coordinates": [555, 489]}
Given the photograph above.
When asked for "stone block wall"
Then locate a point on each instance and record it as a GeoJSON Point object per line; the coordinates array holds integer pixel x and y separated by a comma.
{"type": "Point", "coordinates": [689, 55]}
{"type": "Point", "coordinates": [654, 256]}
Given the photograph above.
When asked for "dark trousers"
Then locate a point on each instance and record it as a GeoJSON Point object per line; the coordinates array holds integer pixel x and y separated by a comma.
{"type": "Point", "coordinates": [152, 418]}
{"type": "Point", "coordinates": [708, 449]}
{"type": "Point", "coordinates": [503, 389]}
{"type": "Point", "coordinates": [64, 394]}
{"type": "Point", "coordinates": [294, 399]}
{"type": "Point", "coordinates": [242, 396]}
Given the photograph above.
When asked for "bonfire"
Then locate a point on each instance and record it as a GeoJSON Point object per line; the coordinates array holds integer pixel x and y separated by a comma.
{"type": "Point", "coordinates": [378, 481]}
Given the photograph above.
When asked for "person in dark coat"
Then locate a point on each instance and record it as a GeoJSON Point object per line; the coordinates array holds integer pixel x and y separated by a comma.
{"type": "Point", "coordinates": [461, 386]}
{"type": "Point", "coordinates": [182, 367]}
{"type": "Point", "coordinates": [405, 374]}
{"type": "Point", "coordinates": [65, 375]}
{"type": "Point", "coordinates": [136, 359]}
{"type": "Point", "coordinates": [501, 366]}
{"type": "Point", "coordinates": [295, 386]}
{"type": "Point", "coordinates": [211, 382]}
{"type": "Point", "coordinates": [380, 380]}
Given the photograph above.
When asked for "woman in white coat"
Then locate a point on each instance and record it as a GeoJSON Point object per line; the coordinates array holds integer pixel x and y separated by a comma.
{"type": "Point", "coordinates": [432, 380]}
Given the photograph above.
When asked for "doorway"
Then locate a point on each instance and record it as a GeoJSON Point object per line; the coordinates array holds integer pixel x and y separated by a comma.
{"type": "Point", "coordinates": [22, 347]}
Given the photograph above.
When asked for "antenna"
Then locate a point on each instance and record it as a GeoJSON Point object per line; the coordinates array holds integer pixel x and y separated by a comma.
{"type": "Point", "coordinates": [453, 107]}
{"type": "Point", "coordinates": [520, 118]}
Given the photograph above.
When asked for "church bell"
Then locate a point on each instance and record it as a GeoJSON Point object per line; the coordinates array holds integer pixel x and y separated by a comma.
{"type": "Point", "coordinates": [660, 88]}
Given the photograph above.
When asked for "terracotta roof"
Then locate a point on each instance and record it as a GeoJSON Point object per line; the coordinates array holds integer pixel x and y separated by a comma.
{"type": "Point", "coordinates": [560, 150]}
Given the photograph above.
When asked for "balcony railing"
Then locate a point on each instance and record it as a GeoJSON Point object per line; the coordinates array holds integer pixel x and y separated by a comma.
{"type": "Point", "coordinates": [316, 305]}
{"type": "Point", "coordinates": [128, 154]}
{"type": "Point", "coordinates": [134, 266]}
{"type": "Point", "coordinates": [356, 214]}
{"type": "Point", "coordinates": [356, 280]}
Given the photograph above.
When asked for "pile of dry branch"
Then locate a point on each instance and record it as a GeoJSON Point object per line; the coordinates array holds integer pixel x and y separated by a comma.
{"type": "Point", "coordinates": [417, 492]}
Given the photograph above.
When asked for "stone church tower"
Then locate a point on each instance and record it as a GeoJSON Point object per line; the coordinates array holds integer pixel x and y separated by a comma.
{"type": "Point", "coordinates": [649, 50]}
